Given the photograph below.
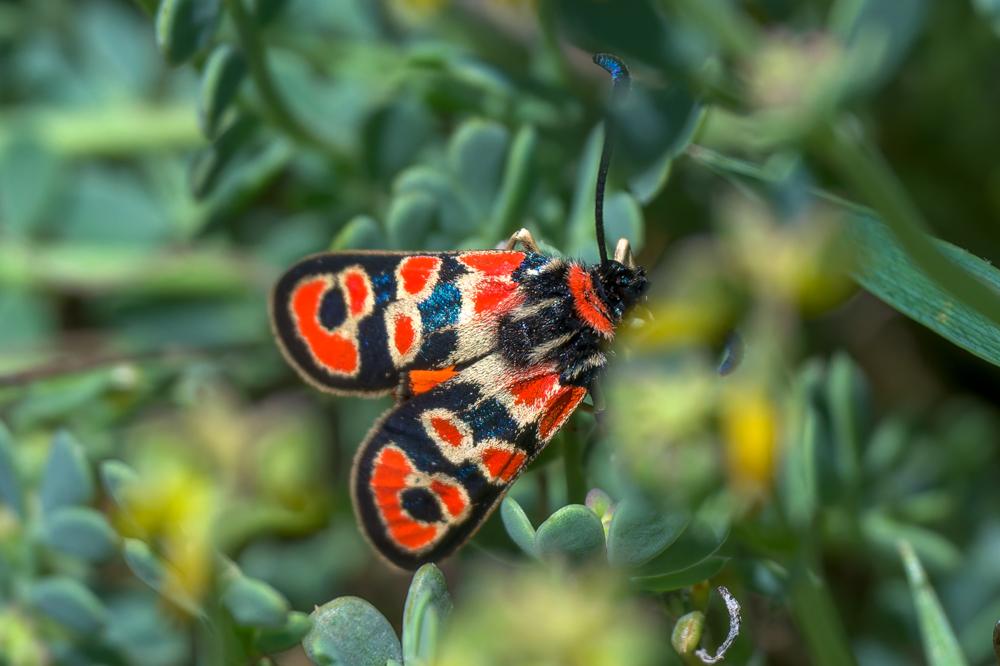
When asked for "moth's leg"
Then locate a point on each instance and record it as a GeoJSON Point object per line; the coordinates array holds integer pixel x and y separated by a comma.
{"type": "Point", "coordinates": [623, 253]}
{"type": "Point", "coordinates": [524, 237]}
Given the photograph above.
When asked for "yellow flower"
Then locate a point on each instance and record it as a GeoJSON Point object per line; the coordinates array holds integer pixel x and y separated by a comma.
{"type": "Point", "coordinates": [173, 509]}
{"type": "Point", "coordinates": [749, 424]}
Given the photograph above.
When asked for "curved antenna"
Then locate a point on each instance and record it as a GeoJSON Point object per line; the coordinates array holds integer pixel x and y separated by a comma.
{"type": "Point", "coordinates": [620, 81]}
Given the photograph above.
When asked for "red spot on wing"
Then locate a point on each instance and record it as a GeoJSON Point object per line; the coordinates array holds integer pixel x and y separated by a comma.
{"type": "Point", "coordinates": [389, 478]}
{"type": "Point", "coordinates": [492, 295]}
{"type": "Point", "coordinates": [451, 496]}
{"type": "Point", "coordinates": [502, 463]}
{"type": "Point", "coordinates": [333, 350]}
{"type": "Point", "coordinates": [493, 263]}
{"type": "Point", "coordinates": [404, 335]}
{"type": "Point", "coordinates": [447, 431]}
{"type": "Point", "coordinates": [422, 381]}
{"type": "Point", "coordinates": [357, 291]}
{"type": "Point", "coordinates": [586, 302]}
{"type": "Point", "coordinates": [417, 271]}
{"type": "Point", "coordinates": [558, 410]}
{"type": "Point", "coordinates": [534, 391]}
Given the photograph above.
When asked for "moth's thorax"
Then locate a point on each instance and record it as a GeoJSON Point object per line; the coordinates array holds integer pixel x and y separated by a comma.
{"type": "Point", "coordinates": [568, 316]}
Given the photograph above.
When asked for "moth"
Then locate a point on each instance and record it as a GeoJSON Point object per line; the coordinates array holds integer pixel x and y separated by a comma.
{"type": "Point", "coordinates": [488, 353]}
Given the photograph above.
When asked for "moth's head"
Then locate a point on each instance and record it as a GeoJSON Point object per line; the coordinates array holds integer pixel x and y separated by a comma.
{"type": "Point", "coordinates": [623, 286]}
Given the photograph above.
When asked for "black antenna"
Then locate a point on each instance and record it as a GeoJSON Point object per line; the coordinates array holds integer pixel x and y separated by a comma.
{"type": "Point", "coordinates": [620, 81]}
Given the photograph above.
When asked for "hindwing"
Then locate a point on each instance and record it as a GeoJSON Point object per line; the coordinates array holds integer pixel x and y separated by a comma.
{"type": "Point", "coordinates": [356, 322]}
{"type": "Point", "coordinates": [436, 465]}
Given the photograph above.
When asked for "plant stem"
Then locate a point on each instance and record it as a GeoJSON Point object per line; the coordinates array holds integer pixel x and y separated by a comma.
{"type": "Point", "coordinates": [277, 108]}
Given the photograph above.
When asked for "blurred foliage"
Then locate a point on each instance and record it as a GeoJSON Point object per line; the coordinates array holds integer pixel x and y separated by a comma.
{"type": "Point", "coordinates": [801, 180]}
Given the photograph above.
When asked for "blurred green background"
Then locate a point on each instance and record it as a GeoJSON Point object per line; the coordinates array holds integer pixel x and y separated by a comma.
{"type": "Point", "coordinates": [808, 419]}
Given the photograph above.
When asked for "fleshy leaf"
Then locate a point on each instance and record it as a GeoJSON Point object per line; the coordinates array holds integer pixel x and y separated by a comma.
{"type": "Point", "coordinates": [681, 578]}
{"type": "Point", "coordinates": [116, 477]}
{"type": "Point", "coordinates": [349, 631]}
{"type": "Point", "coordinates": [638, 532]}
{"type": "Point", "coordinates": [360, 232]}
{"type": "Point", "coordinates": [427, 604]}
{"type": "Point", "coordinates": [476, 155]}
{"type": "Point", "coordinates": [254, 603]}
{"type": "Point", "coordinates": [81, 532]}
{"type": "Point", "coordinates": [572, 533]}
{"type": "Point", "coordinates": [518, 527]}
{"type": "Point", "coordinates": [220, 81]}
{"type": "Point", "coordinates": [66, 480]}
{"type": "Point", "coordinates": [285, 637]}
{"type": "Point", "coordinates": [69, 603]}
{"type": "Point", "coordinates": [11, 493]}
{"type": "Point", "coordinates": [185, 27]}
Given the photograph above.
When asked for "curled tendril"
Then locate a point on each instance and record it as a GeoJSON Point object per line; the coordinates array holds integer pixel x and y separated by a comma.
{"type": "Point", "coordinates": [733, 607]}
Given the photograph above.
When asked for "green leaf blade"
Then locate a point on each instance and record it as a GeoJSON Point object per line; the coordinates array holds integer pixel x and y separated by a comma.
{"type": "Point", "coordinates": [887, 272]}
{"type": "Point", "coordinates": [941, 646]}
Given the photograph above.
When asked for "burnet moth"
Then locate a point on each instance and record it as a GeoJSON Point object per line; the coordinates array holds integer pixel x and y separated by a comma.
{"type": "Point", "coordinates": [488, 353]}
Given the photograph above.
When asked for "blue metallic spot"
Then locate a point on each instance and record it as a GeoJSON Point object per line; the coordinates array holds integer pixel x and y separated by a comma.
{"type": "Point", "coordinates": [532, 261]}
{"type": "Point", "coordinates": [615, 67]}
{"type": "Point", "coordinates": [490, 419]}
{"type": "Point", "coordinates": [384, 286]}
{"type": "Point", "coordinates": [441, 308]}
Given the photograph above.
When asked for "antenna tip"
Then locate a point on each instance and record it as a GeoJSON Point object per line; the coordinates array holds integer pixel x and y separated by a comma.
{"type": "Point", "coordinates": [613, 65]}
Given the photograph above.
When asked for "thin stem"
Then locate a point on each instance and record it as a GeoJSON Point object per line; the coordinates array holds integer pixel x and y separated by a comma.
{"type": "Point", "coordinates": [277, 108]}
{"type": "Point", "coordinates": [69, 366]}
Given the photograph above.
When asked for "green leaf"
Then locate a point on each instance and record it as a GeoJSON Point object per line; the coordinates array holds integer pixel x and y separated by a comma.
{"type": "Point", "coordinates": [66, 480]}
{"type": "Point", "coordinates": [885, 270]}
{"type": "Point", "coordinates": [799, 478]}
{"type": "Point", "coordinates": [847, 398]}
{"type": "Point", "coordinates": [653, 126]}
{"type": "Point", "coordinates": [224, 71]}
{"type": "Point", "coordinates": [410, 219]}
{"type": "Point", "coordinates": [185, 27]}
{"type": "Point", "coordinates": [11, 492]}
{"type": "Point", "coordinates": [639, 532]}
{"type": "Point", "coordinates": [360, 232]}
{"type": "Point", "coordinates": [817, 618]}
{"type": "Point", "coordinates": [518, 527]}
{"type": "Point", "coordinates": [681, 578]}
{"type": "Point", "coordinates": [427, 604]}
{"type": "Point", "coordinates": [701, 539]}
{"type": "Point", "coordinates": [635, 30]}
{"type": "Point", "coordinates": [116, 477]}
{"type": "Point", "coordinates": [622, 219]}
{"type": "Point", "coordinates": [877, 35]}
{"type": "Point", "coordinates": [69, 603]}
{"type": "Point", "coordinates": [254, 603]}
{"type": "Point", "coordinates": [452, 209]}
{"type": "Point", "coordinates": [395, 134]}
{"type": "Point", "coordinates": [476, 155]}
{"type": "Point", "coordinates": [573, 533]}
{"type": "Point", "coordinates": [148, 568]}
{"type": "Point", "coordinates": [208, 164]}
{"type": "Point", "coordinates": [517, 182]}
{"type": "Point", "coordinates": [272, 640]}
{"type": "Point", "coordinates": [349, 631]}
{"type": "Point", "coordinates": [28, 179]}
{"type": "Point", "coordinates": [81, 532]}
{"type": "Point", "coordinates": [266, 11]}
